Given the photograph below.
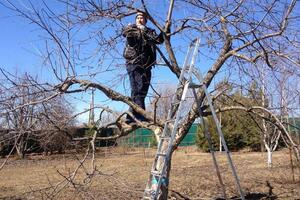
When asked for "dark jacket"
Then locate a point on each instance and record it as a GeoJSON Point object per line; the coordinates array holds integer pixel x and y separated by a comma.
{"type": "Point", "coordinates": [140, 46]}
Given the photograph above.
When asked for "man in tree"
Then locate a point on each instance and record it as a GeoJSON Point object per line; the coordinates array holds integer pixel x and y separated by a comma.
{"type": "Point", "coordinates": [140, 55]}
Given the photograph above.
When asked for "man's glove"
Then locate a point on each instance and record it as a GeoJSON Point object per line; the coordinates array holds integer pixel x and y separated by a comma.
{"type": "Point", "coordinates": [131, 31]}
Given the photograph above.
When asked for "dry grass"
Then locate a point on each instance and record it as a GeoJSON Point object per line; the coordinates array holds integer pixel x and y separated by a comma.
{"type": "Point", "coordinates": [123, 173]}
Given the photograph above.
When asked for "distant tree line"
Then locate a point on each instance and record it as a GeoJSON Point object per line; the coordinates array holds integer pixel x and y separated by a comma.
{"type": "Point", "coordinates": [29, 125]}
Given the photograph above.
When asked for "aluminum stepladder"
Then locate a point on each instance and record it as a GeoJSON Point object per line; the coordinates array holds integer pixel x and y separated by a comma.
{"type": "Point", "coordinates": [158, 172]}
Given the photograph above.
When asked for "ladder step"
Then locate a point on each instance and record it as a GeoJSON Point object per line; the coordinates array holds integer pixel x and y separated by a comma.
{"type": "Point", "coordinates": [180, 86]}
{"type": "Point", "coordinates": [161, 154]}
{"type": "Point", "coordinates": [169, 120]}
{"type": "Point", "coordinates": [175, 103]}
{"type": "Point", "coordinates": [156, 173]}
{"type": "Point", "coordinates": [165, 138]}
{"type": "Point", "coordinates": [148, 192]}
{"type": "Point", "coordinates": [193, 85]}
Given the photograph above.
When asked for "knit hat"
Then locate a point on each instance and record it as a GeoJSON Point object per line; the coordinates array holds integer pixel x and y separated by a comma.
{"type": "Point", "coordinates": [141, 14]}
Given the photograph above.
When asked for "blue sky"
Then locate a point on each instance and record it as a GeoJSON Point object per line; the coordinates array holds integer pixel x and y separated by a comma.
{"type": "Point", "coordinates": [17, 40]}
{"type": "Point", "coordinates": [21, 47]}
{"type": "Point", "coordinates": [20, 53]}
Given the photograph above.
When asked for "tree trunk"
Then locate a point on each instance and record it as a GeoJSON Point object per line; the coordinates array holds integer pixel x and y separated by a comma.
{"type": "Point", "coordinates": [165, 186]}
{"type": "Point", "coordinates": [269, 157]}
{"type": "Point", "coordinates": [20, 147]}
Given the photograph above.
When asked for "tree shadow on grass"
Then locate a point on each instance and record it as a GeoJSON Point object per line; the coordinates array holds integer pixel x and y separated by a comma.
{"type": "Point", "coordinates": [253, 196]}
{"type": "Point", "coordinates": [249, 196]}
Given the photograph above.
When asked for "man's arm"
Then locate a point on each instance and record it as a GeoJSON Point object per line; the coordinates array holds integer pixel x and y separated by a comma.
{"type": "Point", "coordinates": [131, 33]}
{"type": "Point", "coordinates": [160, 38]}
{"type": "Point", "coordinates": [153, 37]}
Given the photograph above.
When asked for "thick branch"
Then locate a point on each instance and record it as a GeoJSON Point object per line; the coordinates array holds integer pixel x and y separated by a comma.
{"type": "Point", "coordinates": [110, 93]}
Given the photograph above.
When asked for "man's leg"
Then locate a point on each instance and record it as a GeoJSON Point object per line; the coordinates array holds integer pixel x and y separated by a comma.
{"type": "Point", "coordinates": [139, 82]}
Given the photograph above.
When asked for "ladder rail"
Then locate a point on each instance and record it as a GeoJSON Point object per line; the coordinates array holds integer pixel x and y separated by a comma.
{"type": "Point", "coordinates": [181, 77]}
{"type": "Point", "coordinates": [174, 99]}
{"type": "Point", "coordinates": [199, 76]}
{"type": "Point", "coordinates": [209, 140]}
{"type": "Point", "coordinates": [184, 92]}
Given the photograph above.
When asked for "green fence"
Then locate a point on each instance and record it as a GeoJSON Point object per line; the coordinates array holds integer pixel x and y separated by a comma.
{"type": "Point", "coordinates": [144, 138]}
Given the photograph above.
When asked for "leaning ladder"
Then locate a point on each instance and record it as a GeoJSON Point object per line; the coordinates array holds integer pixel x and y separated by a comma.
{"type": "Point", "coordinates": [158, 174]}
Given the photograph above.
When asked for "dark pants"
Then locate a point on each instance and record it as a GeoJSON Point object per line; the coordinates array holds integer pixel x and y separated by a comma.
{"type": "Point", "coordinates": [139, 82]}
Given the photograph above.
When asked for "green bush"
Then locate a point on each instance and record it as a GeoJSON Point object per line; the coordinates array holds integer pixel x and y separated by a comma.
{"type": "Point", "coordinates": [240, 129]}
{"type": "Point", "coordinates": [236, 134]}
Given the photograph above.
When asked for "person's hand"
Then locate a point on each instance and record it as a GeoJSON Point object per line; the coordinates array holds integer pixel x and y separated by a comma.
{"type": "Point", "coordinates": [131, 27]}
{"type": "Point", "coordinates": [131, 30]}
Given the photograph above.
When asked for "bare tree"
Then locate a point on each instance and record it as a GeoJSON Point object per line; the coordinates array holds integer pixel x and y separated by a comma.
{"type": "Point", "coordinates": [55, 124]}
{"type": "Point", "coordinates": [20, 121]}
{"type": "Point", "coordinates": [28, 126]}
{"type": "Point", "coordinates": [235, 35]}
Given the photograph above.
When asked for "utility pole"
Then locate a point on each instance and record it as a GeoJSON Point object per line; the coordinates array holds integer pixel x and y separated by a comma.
{"type": "Point", "coordinates": [91, 121]}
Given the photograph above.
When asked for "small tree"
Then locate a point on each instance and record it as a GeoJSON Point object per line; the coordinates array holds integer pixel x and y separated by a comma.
{"type": "Point", "coordinates": [240, 128]}
{"type": "Point", "coordinates": [29, 123]}
{"type": "Point", "coordinates": [56, 121]}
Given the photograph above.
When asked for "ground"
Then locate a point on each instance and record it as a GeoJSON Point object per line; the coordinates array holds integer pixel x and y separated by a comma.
{"type": "Point", "coordinates": [122, 174]}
